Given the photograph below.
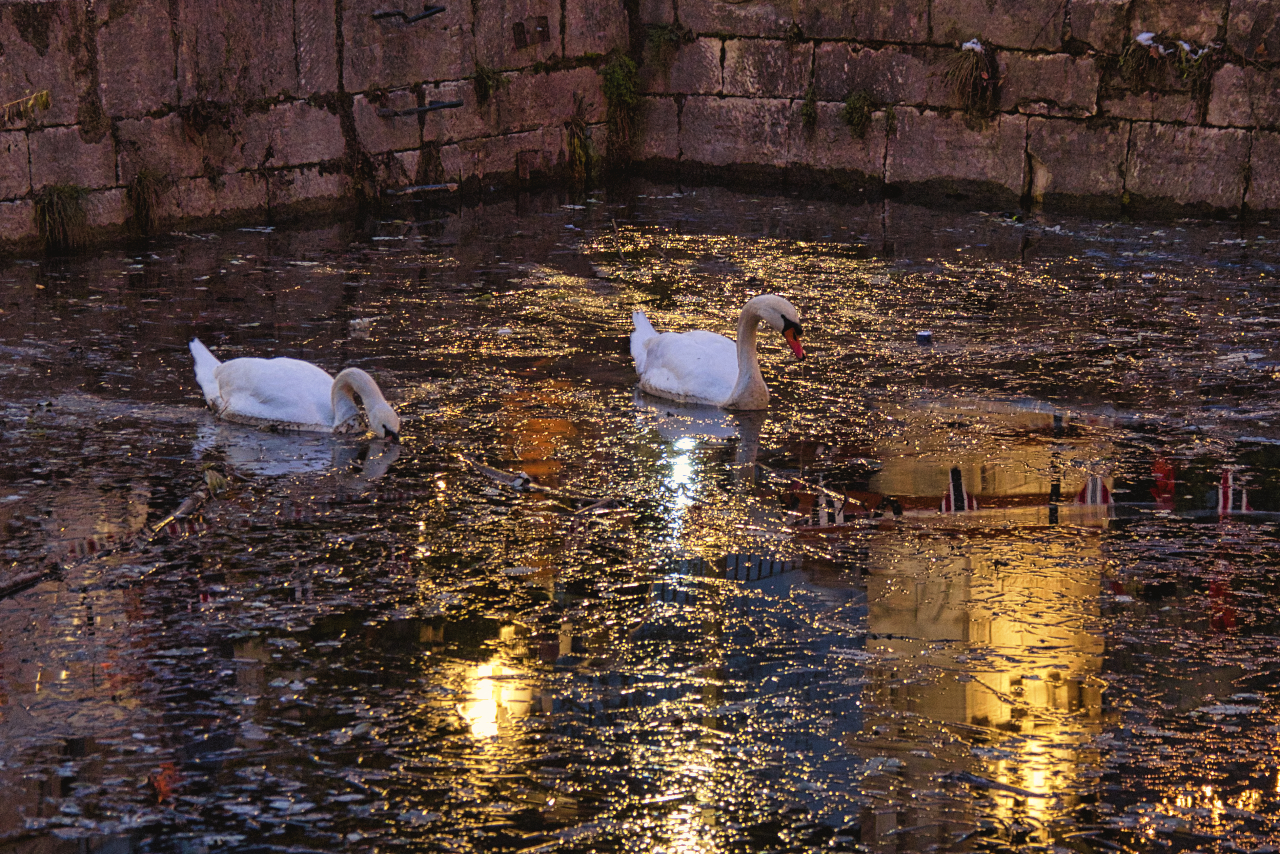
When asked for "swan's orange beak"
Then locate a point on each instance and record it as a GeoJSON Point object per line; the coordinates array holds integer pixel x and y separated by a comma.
{"type": "Point", "coordinates": [790, 335]}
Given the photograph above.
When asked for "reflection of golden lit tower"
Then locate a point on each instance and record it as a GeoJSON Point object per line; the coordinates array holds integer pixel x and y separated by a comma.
{"type": "Point", "coordinates": [539, 428]}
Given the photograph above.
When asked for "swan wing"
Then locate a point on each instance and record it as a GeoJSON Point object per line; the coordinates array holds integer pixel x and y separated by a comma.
{"type": "Point", "coordinates": [281, 391]}
{"type": "Point", "coordinates": [697, 366]}
{"type": "Point", "coordinates": [640, 338]}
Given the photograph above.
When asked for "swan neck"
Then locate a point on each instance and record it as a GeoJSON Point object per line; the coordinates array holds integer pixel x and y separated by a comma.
{"type": "Point", "coordinates": [749, 392]}
{"type": "Point", "coordinates": [346, 386]}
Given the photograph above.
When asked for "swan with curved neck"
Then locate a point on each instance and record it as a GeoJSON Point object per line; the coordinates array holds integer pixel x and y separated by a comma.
{"type": "Point", "coordinates": [290, 394]}
{"type": "Point", "coordinates": [703, 367]}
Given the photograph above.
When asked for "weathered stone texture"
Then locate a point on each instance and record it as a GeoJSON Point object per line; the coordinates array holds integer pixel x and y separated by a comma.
{"type": "Point", "coordinates": [18, 221]}
{"type": "Point", "coordinates": [305, 187]}
{"type": "Point", "coordinates": [15, 166]}
{"type": "Point", "coordinates": [293, 134]}
{"type": "Point", "coordinates": [201, 198]}
{"type": "Point", "coordinates": [864, 20]}
{"type": "Point", "coordinates": [832, 145]}
{"type": "Point", "coordinates": [388, 54]}
{"type": "Point", "coordinates": [1052, 84]}
{"type": "Point", "coordinates": [60, 156]}
{"type": "Point", "coordinates": [235, 50]}
{"type": "Point", "coordinates": [931, 146]}
{"type": "Point", "coordinates": [514, 33]}
{"type": "Point", "coordinates": [136, 56]}
{"type": "Point", "coordinates": [106, 208]}
{"type": "Point", "coordinates": [694, 70]}
{"type": "Point", "coordinates": [469, 121]}
{"type": "Point", "coordinates": [595, 28]}
{"type": "Point", "coordinates": [1264, 187]}
{"type": "Point", "coordinates": [1253, 29]}
{"type": "Point", "coordinates": [378, 134]}
{"type": "Point", "coordinates": [1245, 97]}
{"type": "Point", "coordinates": [1077, 158]}
{"type": "Point", "coordinates": [1101, 24]}
{"type": "Point", "coordinates": [659, 130]}
{"type": "Point", "coordinates": [725, 131]}
{"type": "Point", "coordinates": [756, 18]}
{"type": "Point", "coordinates": [530, 101]}
{"type": "Point", "coordinates": [161, 146]}
{"type": "Point", "coordinates": [657, 12]}
{"type": "Point", "coordinates": [1150, 106]}
{"type": "Point", "coordinates": [762, 68]}
{"type": "Point", "coordinates": [539, 151]}
{"type": "Point", "coordinates": [38, 56]}
{"type": "Point", "coordinates": [1019, 24]}
{"type": "Point", "coordinates": [315, 23]}
{"type": "Point", "coordinates": [1193, 21]}
{"type": "Point", "coordinates": [890, 76]}
{"type": "Point", "coordinates": [1187, 165]}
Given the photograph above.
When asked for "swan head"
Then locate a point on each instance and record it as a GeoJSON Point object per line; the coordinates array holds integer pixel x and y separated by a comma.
{"type": "Point", "coordinates": [383, 421]}
{"type": "Point", "coordinates": [783, 317]}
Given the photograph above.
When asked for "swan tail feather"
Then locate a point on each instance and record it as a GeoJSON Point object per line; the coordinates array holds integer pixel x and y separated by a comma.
{"type": "Point", "coordinates": [640, 339]}
{"type": "Point", "coordinates": [206, 364]}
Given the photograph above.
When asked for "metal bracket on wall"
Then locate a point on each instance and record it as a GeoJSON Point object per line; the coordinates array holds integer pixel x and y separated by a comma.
{"type": "Point", "coordinates": [413, 111]}
{"type": "Point", "coordinates": [427, 12]}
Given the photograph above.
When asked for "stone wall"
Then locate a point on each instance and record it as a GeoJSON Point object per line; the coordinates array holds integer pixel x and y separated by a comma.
{"type": "Point", "coordinates": [244, 109]}
{"type": "Point", "coordinates": [1070, 120]}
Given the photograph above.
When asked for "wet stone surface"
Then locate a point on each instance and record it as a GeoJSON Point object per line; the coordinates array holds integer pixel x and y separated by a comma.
{"type": "Point", "coordinates": [1016, 590]}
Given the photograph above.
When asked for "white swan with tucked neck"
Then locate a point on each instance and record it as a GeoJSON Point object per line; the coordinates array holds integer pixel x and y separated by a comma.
{"type": "Point", "coordinates": [703, 367]}
{"type": "Point", "coordinates": [290, 394]}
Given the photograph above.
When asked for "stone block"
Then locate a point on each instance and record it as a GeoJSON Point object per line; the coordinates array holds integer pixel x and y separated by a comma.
{"type": "Point", "coordinates": [315, 23]}
{"type": "Point", "coordinates": [657, 12]}
{"type": "Point", "coordinates": [863, 20]}
{"type": "Point", "coordinates": [60, 156]}
{"type": "Point", "coordinates": [106, 208]}
{"type": "Point", "coordinates": [1194, 21]}
{"type": "Point", "coordinates": [764, 68]}
{"type": "Point", "coordinates": [18, 222]}
{"type": "Point", "coordinates": [833, 146]}
{"type": "Point", "coordinates": [1049, 84]}
{"type": "Point", "coordinates": [15, 165]}
{"type": "Point", "coordinates": [42, 51]}
{"type": "Point", "coordinates": [309, 187]}
{"type": "Point", "coordinates": [694, 69]}
{"type": "Point", "coordinates": [595, 28]}
{"type": "Point", "coordinates": [1187, 165]}
{"type": "Point", "coordinates": [388, 54]}
{"type": "Point", "coordinates": [397, 169]}
{"type": "Point", "coordinates": [161, 145]}
{"type": "Point", "coordinates": [504, 156]}
{"type": "Point", "coordinates": [516, 33]}
{"type": "Point", "coordinates": [1264, 186]}
{"type": "Point", "coordinates": [1245, 97]}
{"type": "Point", "coordinates": [932, 146]}
{"type": "Point", "coordinates": [659, 133]}
{"type": "Point", "coordinates": [201, 198]}
{"type": "Point", "coordinates": [1253, 29]}
{"type": "Point", "coordinates": [890, 76]}
{"type": "Point", "coordinates": [1076, 159]}
{"type": "Point", "coordinates": [1150, 106]}
{"type": "Point", "coordinates": [378, 134]}
{"type": "Point", "coordinates": [530, 101]}
{"type": "Point", "coordinates": [1101, 24]}
{"type": "Point", "coordinates": [469, 121]}
{"type": "Point", "coordinates": [297, 134]}
{"type": "Point", "coordinates": [235, 51]}
{"type": "Point", "coordinates": [1016, 24]}
{"type": "Point", "coordinates": [136, 58]}
{"type": "Point", "coordinates": [731, 131]}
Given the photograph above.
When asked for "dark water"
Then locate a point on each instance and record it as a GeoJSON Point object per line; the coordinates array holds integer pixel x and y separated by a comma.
{"type": "Point", "coordinates": [693, 632]}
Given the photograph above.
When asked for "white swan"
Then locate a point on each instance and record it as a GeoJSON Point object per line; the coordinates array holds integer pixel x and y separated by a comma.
{"type": "Point", "coordinates": [703, 367]}
{"type": "Point", "coordinates": [292, 395]}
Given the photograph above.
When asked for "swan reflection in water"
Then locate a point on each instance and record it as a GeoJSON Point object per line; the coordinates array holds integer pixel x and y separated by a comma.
{"type": "Point", "coordinates": [687, 424]}
{"type": "Point", "coordinates": [258, 453]}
